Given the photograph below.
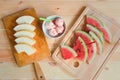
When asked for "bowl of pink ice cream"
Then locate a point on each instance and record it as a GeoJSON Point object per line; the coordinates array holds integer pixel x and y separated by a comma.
{"type": "Point", "coordinates": [54, 28]}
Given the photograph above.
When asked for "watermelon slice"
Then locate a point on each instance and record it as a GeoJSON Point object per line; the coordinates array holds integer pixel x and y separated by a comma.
{"type": "Point", "coordinates": [67, 52]}
{"type": "Point", "coordinates": [81, 48]}
{"type": "Point", "coordinates": [90, 44]}
{"type": "Point", "coordinates": [96, 31]}
{"type": "Point", "coordinates": [92, 20]}
{"type": "Point", "coordinates": [98, 42]}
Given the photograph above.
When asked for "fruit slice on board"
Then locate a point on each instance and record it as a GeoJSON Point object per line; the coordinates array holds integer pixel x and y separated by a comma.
{"type": "Point", "coordinates": [25, 19]}
{"type": "Point", "coordinates": [28, 49]}
{"type": "Point", "coordinates": [96, 31]}
{"type": "Point", "coordinates": [91, 45]}
{"type": "Point", "coordinates": [92, 20]}
{"type": "Point", "coordinates": [27, 33]}
{"type": "Point", "coordinates": [81, 48]}
{"type": "Point", "coordinates": [26, 40]}
{"type": "Point", "coordinates": [98, 42]}
{"type": "Point", "coordinates": [24, 27]}
{"type": "Point", "coordinates": [67, 52]}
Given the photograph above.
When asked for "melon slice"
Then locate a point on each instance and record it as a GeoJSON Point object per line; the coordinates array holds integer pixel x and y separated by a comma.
{"type": "Point", "coordinates": [26, 40]}
{"type": "Point", "coordinates": [92, 20]}
{"type": "Point", "coordinates": [25, 48]}
{"type": "Point", "coordinates": [24, 27]}
{"type": "Point", "coordinates": [81, 48]}
{"type": "Point", "coordinates": [25, 19]}
{"type": "Point", "coordinates": [90, 44]}
{"type": "Point", "coordinates": [96, 31]}
{"type": "Point", "coordinates": [67, 52]}
{"type": "Point", "coordinates": [98, 42]}
{"type": "Point", "coordinates": [27, 33]}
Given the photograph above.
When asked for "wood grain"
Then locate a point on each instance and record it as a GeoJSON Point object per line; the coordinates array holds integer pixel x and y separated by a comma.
{"type": "Point", "coordinates": [42, 50]}
{"type": "Point", "coordinates": [70, 11]}
{"type": "Point", "coordinates": [39, 72]}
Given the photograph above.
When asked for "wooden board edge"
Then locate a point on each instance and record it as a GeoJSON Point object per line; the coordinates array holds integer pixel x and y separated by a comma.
{"type": "Point", "coordinates": [31, 8]}
{"type": "Point", "coordinates": [112, 50]}
{"type": "Point", "coordinates": [88, 6]}
{"type": "Point", "coordinates": [105, 61]}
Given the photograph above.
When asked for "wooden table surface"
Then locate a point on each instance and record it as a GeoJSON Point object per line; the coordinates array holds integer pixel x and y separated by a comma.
{"type": "Point", "coordinates": [69, 10]}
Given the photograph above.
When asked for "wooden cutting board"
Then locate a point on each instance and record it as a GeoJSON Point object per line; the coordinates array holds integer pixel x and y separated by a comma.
{"type": "Point", "coordinates": [41, 46]}
{"type": "Point", "coordinates": [77, 68]}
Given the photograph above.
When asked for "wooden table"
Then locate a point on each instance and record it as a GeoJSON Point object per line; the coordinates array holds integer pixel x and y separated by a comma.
{"type": "Point", "coordinates": [69, 10]}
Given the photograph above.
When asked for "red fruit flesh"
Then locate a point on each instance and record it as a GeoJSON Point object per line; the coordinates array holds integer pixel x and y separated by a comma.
{"type": "Point", "coordinates": [67, 52]}
{"type": "Point", "coordinates": [68, 55]}
{"type": "Point", "coordinates": [95, 23]}
{"type": "Point", "coordinates": [80, 49]}
{"type": "Point", "coordinates": [90, 44]}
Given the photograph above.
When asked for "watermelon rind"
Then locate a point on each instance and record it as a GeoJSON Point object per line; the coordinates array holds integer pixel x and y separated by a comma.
{"type": "Point", "coordinates": [100, 46]}
{"type": "Point", "coordinates": [94, 54]}
{"type": "Point", "coordinates": [97, 32]}
{"type": "Point", "coordinates": [70, 49]}
{"type": "Point", "coordinates": [109, 32]}
{"type": "Point", "coordinates": [103, 26]}
{"type": "Point", "coordinates": [93, 44]}
{"type": "Point", "coordinates": [85, 48]}
{"type": "Point", "coordinates": [85, 33]}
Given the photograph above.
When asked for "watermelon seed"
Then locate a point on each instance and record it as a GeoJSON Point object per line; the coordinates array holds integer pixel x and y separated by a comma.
{"type": "Point", "coordinates": [78, 50]}
{"type": "Point", "coordinates": [76, 64]}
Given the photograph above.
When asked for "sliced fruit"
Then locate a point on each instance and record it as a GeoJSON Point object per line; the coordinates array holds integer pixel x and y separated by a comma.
{"type": "Point", "coordinates": [67, 52]}
{"type": "Point", "coordinates": [25, 48]}
{"type": "Point", "coordinates": [25, 19]}
{"type": "Point", "coordinates": [96, 31]}
{"type": "Point", "coordinates": [98, 42]}
{"type": "Point", "coordinates": [24, 33]}
{"type": "Point", "coordinates": [92, 20]}
{"type": "Point", "coordinates": [24, 27]}
{"type": "Point", "coordinates": [90, 44]}
{"type": "Point", "coordinates": [25, 39]}
{"type": "Point", "coordinates": [81, 48]}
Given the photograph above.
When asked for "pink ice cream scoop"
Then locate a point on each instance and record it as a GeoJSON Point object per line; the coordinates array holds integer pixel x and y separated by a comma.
{"type": "Point", "coordinates": [53, 32]}
{"type": "Point", "coordinates": [50, 25]}
{"type": "Point", "coordinates": [59, 22]}
{"type": "Point", "coordinates": [59, 29]}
